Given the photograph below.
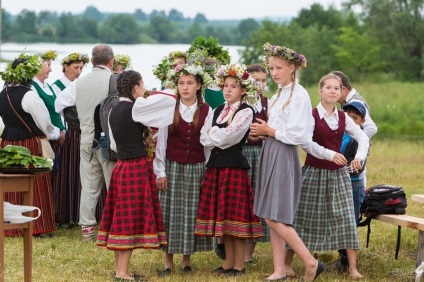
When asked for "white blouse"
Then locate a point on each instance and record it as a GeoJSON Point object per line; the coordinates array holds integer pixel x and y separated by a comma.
{"type": "Point", "coordinates": [352, 129]}
{"type": "Point", "coordinates": [65, 82]}
{"type": "Point", "coordinates": [223, 138]}
{"type": "Point", "coordinates": [291, 124]}
{"type": "Point", "coordinates": [159, 163]}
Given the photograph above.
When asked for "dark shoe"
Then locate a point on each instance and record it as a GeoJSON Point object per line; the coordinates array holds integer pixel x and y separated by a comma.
{"type": "Point", "coordinates": [221, 270]}
{"type": "Point", "coordinates": [165, 272]}
{"type": "Point", "coordinates": [337, 266]}
{"type": "Point", "coordinates": [236, 272]}
{"type": "Point", "coordinates": [44, 235]}
{"type": "Point", "coordinates": [220, 250]}
{"type": "Point", "coordinates": [320, 269]}
{"type": "Point", "coordinates": [187, 269]}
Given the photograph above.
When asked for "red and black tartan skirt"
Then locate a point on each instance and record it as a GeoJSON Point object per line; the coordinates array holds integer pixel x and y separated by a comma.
{"type": "Point", "coordinates": [226, 205]}
{"type": "Point", "coordinates": [132, 217]}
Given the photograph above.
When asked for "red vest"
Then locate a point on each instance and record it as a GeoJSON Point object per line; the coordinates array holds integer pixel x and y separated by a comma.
{"type": "Point", "coordinates": [328, 138]}
{"type": "Point", "coordinates": [263, 115]}
{"type": "Point", "coordinates": [184, 142]}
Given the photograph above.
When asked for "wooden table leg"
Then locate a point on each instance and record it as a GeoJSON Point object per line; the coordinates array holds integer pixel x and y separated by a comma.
{"type": "Point", "coordinates": [1, 238]}
{"type": "Point", "coordinates": [27, 234]}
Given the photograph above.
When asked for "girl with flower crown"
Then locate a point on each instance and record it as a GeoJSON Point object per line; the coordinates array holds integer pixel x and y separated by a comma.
{"type": "Point", "coordinates": [179, 165]}
{"type": "Point", "coordinates": [279, 178]}
{"type": "Point", "coordinates": [26, 118]}
{"type": "Point", "coordinates": [226, 203]}
{"type": "Point", "coordinates": [67, 200]}
{"type": "Point", "coordinates": [122, 62]}
{"type": "Point", "coordinates": [132, 217]}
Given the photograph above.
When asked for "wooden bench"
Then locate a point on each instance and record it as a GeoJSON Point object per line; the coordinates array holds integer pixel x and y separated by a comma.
{"type": "Point", "coordinates": [408, 221]}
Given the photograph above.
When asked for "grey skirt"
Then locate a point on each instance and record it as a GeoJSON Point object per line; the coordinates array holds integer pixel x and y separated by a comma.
{"type": "Point", "coordinates": [278, 182]}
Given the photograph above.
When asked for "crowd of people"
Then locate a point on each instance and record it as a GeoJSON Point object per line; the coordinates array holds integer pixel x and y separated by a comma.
{"type": "Point", "coordinates": [205, 162]}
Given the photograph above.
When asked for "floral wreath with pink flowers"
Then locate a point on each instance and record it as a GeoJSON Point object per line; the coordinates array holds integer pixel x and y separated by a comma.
{"type": "Point", "coordinates": [239, 72]}
{"type": "Point", "coordinates": [190, 69]}
{"type": "Point", "coordinates": [285, 53]}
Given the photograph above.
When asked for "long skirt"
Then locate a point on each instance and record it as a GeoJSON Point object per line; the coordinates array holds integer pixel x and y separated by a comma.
{"type": "Point", "coordinates": [59, 178]}
{"type": "Point", "coordinates": [132, 217]}
{"type": "Point", "coordinates": [278, 184]}
{"type": "Point", "coordinates": [74, 182]}
{"type": "Point", "coordinates": [179, 205]}
{"type": "Point", "coordinates": [325, 217]}
{"type": "Point", "coordinates": [252, 154]}
{"type": "Point", "coordinates": [43, 194]}
{"type": "Point", "coordinates": [226, 205]}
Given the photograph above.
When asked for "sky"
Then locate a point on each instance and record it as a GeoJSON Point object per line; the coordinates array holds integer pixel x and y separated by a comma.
{"type": "Point", "coordinates": [213, 10]}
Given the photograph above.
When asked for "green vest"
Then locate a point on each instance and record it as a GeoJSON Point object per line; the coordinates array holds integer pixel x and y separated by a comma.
{"type": "Point", "coordinates": [49, 102]}
{"type": "Point", "coordinates": [214, 98]}
{"type": "Point", "coordinates": [59, 84]}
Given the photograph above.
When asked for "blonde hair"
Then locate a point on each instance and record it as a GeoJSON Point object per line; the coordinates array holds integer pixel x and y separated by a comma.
{"type": "Point", "coordinates": [327, 77]}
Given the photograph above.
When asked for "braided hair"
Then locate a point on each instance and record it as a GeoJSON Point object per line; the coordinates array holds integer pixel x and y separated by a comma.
{"type": "Point", "coordinates": [126, 82]}
{"type": "Point", "coordinates": [200, 102]}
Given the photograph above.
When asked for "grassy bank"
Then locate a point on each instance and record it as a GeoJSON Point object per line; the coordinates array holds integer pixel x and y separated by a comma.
{"type": "Point", "coordinates": [66, 258]}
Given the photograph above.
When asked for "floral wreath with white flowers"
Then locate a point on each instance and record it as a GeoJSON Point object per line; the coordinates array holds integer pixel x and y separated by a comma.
{"type": "Point", "coordinates": [76, 57]}
{"type": "Point", "coordinates": [123, 60]}
{"type": "Point", "coordinates": [188, 69]}
{"type": "Point", "coordinates": [48, 55]}
{"type": "Point", "coordinates": [161, 70]}
{"type": "Point", "coordinates": [22, 72]}
{"type": "Point", "coordinates": [239, 72]}
{"type": "Point", "coordinates": [285, 53]}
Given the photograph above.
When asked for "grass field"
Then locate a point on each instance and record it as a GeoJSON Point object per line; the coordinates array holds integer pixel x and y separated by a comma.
{"type": "Point", "coordinates": [66, 258]}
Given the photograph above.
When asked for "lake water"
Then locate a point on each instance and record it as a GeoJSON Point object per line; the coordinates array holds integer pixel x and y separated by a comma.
{"type": "Point", "coordinates": [143, 56]}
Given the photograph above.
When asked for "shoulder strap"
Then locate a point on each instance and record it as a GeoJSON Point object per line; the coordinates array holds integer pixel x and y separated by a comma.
{"type": "Point", "coordinates": [112, 84]}
{"type": "Point", "coordinates": [59, 84]}
{"type": "Point", "coordinates": [20, 118]}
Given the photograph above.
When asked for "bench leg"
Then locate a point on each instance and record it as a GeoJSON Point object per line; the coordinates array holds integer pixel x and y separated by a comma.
{"type": "Point", "coordinates": [398, 242]}
{"type": "Point", "coordinates": [420, 253]}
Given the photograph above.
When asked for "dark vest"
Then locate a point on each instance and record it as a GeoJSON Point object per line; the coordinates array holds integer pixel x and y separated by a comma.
{"type": "Point", "coordinates": [328, 138]}
{"type": "Point", "coordinates": [263, 115]}
{"type": "Point", "coordinates": [184, 141]}
{"type": "Point", "coordinates": [233, 156]}
{"type": "Point", "coordinates": [49, 102]}
{"type": "Point", "coordinates": [127, 133]}
{"type": "Point", "coordinates": [14, 128]}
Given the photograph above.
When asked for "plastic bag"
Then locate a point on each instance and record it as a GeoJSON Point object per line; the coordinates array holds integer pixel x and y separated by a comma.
{"type": "Point", "coordinates": [13, 213]}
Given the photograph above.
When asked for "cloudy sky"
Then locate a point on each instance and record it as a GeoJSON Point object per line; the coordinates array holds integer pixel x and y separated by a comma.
{"type": "Point", "coordinates": [216, 9]}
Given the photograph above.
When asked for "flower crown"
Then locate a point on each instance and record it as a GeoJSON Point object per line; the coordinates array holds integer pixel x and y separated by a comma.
{"type": "Point", "coordinates": [123, 60]}
{"type": "Point", "coordinates": [49, 55]}
{"type": "Point", "coordinates": [212, 48]}
{"type": "Point", "coordinates": [75, 57]}
{"type": "Point", "coordinates": [161, 70]}
{"type": "Point", "coordinates": [285, 53]}
{"type": "Point", "coordinates": [239, 72]}
{"type": "Point", "coordinates": [201, 58]}
{"type": "Point", "coordinates": [24, 71]}
{"type": "Point", "coordinates": [188, 69]}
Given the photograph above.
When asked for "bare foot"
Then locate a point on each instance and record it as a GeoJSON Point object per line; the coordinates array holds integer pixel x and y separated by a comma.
{"type": "Point", "coordinates": [356, 275]}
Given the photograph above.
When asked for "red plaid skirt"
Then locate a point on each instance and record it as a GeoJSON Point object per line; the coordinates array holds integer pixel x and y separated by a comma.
{"type": "Point", "coordinates": [132, 217]}
{"type": "Point", "coordinates": [226, 205]}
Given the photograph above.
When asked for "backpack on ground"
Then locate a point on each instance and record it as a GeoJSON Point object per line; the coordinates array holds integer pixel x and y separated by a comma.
{"type": "Point", "coordinates": [382, 199]}
{"type": "Point", "coordinates": [101, 117]}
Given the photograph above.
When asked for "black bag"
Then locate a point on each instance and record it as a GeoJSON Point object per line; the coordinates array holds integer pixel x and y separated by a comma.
{"type": "Point", "coordinates": [101, 116]}
{"type": "Point", "coordinates": [383, 199]}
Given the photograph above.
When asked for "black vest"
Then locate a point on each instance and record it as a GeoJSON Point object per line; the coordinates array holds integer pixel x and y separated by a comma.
{"type": "Point", "coordinates": [14, 129]}
{"type": "Point", "coordinates": [127, 133]}
{"type": "Point", "coordinates": [233, 156]}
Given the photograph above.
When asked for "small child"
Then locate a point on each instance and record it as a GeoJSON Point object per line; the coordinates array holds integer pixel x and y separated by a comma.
{"type": "Point", "coordinates": [349, 148]}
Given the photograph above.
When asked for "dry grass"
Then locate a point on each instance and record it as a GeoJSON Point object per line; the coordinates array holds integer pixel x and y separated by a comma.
{"type": "Point", "coordinates": [66, 258]}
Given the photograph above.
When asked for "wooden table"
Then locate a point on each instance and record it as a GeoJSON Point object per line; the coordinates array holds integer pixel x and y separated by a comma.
{"type": "Point", "coordinates": [17, 183]}
{"type": "Point", "coordinates": [418, 198]}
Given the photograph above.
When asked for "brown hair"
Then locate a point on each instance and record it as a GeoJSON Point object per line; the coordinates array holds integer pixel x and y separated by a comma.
{"type": "Point", "coordinates": [126, 82]}
{"type": "Point", "coordinates": [196, 115]}
{"type": "Point", "coordinates": [343, 77]}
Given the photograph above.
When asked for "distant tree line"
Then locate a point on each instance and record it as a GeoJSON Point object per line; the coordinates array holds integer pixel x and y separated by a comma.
{"type": "Point", "coordinates": [126, 28]}
{"type": "Point", "coordinates": [383, 42]}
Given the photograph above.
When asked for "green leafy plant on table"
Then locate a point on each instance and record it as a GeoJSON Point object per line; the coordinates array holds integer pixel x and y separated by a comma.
{"type": "Point", "coordinates": [18, 156]}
